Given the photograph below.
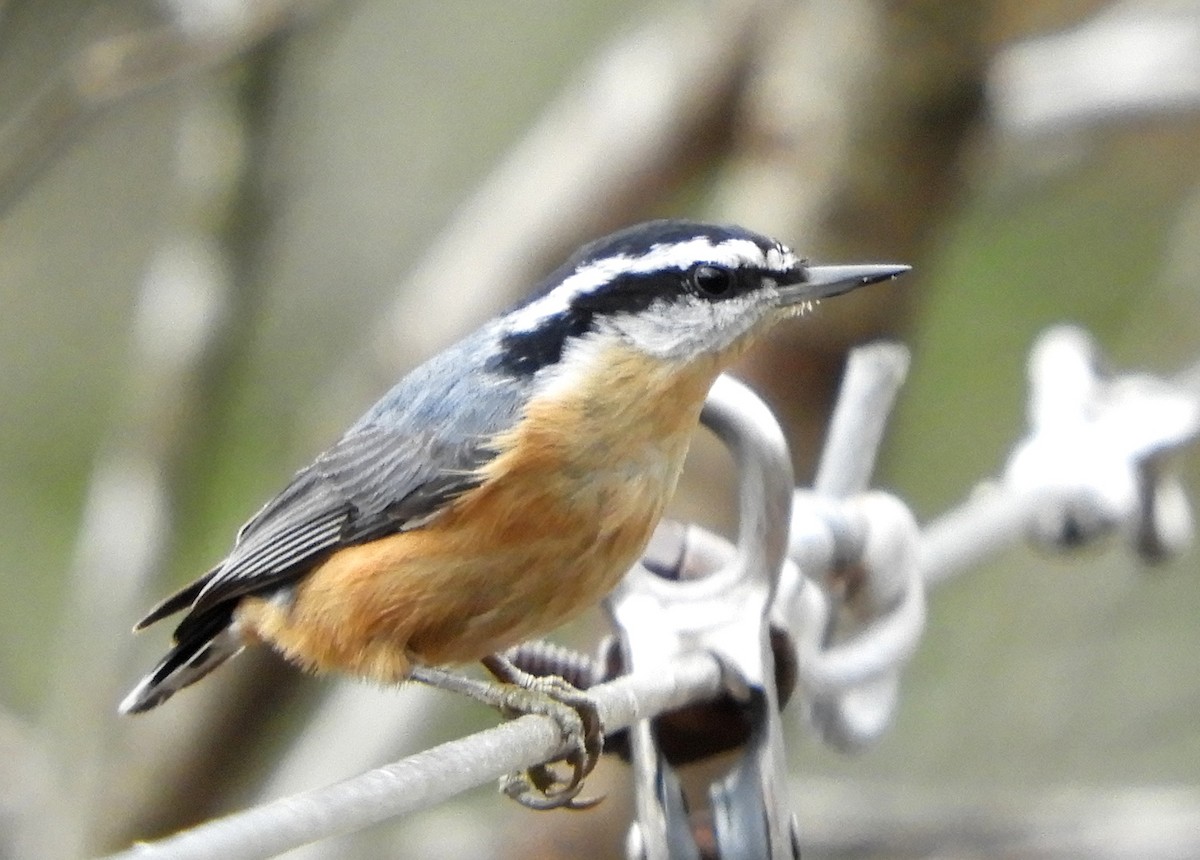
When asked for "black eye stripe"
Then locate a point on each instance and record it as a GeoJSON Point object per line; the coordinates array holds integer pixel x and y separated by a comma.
{"type": "Point", "coordinates": [525, 351]}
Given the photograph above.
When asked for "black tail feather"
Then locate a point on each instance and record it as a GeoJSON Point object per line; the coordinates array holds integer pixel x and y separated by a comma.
{"type": "Point", "coordinates": [177, 602]}
{"type": "Point", "coordinates": [203, 643]}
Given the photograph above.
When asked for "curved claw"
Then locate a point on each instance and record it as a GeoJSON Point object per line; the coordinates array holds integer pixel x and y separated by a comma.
{"type": "Point", "coordinates": [537, 788]}
{"type": "Point", "coordinates": [576, 713]}
{"type": "Point", "coordinates": [579, 719]}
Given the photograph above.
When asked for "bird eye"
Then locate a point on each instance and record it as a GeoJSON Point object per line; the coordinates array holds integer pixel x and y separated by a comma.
{"type": "Point", "coordinates": [712, 280]}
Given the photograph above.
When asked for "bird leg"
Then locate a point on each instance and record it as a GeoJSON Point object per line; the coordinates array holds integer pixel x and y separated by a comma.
{"type": "Point", "coordinates": [576, 712]}
{"type": "Point", "coordinates": [521, 693]}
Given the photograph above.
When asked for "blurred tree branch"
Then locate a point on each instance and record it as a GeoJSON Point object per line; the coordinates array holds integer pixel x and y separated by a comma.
{"type": "Point", "coordinates": [1127, 61]}
{"type": "Point", "coordinates": [186, 304]}
{"type": "Point", "coordinates": [853, 140]}
{"type": "Point", "coordinates": [196, 36]}
{"type": "Point", "coordinates": [224, 205]}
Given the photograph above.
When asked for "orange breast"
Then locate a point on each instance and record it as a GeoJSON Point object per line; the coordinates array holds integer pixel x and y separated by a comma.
{"type": "Point", "coordinates": [563, 511]}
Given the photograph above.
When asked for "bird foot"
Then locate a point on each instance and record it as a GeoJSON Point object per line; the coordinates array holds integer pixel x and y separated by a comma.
{"type": "Point", "coordinates": [520, 693]}
{"type": "Point", "coordinates": [540, 787]}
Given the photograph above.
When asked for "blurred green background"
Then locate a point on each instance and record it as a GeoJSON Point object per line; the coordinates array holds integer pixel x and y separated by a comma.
{"type": "Point", "coordinates": [225, 228]}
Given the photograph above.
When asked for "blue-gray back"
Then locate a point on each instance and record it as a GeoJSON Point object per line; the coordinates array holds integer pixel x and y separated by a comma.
{"type": "Point", "coordinates": [399, 465]}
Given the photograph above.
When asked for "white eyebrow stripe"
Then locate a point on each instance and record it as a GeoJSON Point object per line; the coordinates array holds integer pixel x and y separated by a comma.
{"type": "Point", "coordinates": [668, 255]}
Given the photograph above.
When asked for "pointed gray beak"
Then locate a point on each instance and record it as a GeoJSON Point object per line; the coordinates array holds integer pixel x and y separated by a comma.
{"type": "Point", "coordinates": [821, 282]}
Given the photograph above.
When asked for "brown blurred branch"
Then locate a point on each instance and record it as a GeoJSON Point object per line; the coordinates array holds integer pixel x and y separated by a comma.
{"type": "Point", "coordinates": [852, 146]}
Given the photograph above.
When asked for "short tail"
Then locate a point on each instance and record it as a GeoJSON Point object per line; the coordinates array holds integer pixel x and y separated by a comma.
{"type": "Point", "coordinates": [202, 644]}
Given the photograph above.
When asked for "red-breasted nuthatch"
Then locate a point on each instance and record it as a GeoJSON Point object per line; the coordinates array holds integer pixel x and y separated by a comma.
{"type": "Point", "coordinates": [506, 484]}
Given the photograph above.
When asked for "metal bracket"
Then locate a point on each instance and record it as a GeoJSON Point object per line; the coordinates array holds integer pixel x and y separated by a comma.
{"type": "Point", "coordinates": [696, 593]}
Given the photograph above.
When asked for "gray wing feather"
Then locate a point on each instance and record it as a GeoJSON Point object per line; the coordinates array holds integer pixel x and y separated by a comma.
{"type": "Point", "coordinates": [391, 484]}
{"type": "Point", "coordinates": [396, 468]}
{"type": "Point", "coordinates": [371, 483]}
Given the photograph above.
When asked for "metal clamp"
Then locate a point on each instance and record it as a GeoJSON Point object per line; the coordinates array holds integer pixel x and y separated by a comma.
{"type": "Point", "coordinates": [852, 647]}
{"type": "Point", "coordinates": [856, 606]}
{"type": "Point", "coordinates": [696, 593]}
{"type": "Point", "coordinates": [1093, 459]}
